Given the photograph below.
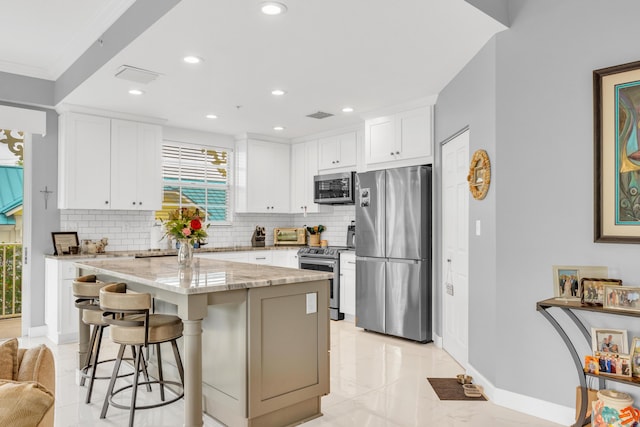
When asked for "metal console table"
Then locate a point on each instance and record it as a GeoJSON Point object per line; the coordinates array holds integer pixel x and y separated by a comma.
{"type": "Point", "coordinates": [568, 308]}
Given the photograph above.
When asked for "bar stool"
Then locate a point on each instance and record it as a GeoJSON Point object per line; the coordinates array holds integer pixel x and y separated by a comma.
{"type": "Point", "coordinates": [132, 324]}
{"type": "Point", "coordinates": [86, 290]}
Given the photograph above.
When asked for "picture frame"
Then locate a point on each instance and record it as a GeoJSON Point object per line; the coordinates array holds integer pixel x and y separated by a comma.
{"type": "Point", "coordinates": [609, 341]}
{"type": "Point", "coordinates": [622, 298]}
{"type": "Point", "coordinates": [616, 102]}
{"type": "Point", "coordinates": [62, 240]}
{"type": "Point", "coordinates": [635, 357]}
{"type": "Point", "coordinates": [566, 279]}
{"type": "Point", "coordinates": [616, 364]}
{"type": "Point", "coordinates": [592, 290]}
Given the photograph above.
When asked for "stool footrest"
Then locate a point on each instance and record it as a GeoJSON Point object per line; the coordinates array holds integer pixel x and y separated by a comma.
{"type": "Point", "coordinates": [156, 405]}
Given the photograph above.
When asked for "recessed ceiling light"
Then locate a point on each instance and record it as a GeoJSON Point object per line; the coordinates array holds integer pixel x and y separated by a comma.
{"type": "Point", "coordinates": [273, 8]}
{"type": "Point", "coordinates": [278, 128]}
{"type": "Point", "coordinates": [278, 92]}
{"type": "Point", "coordinates": [347, 110]}
{"type": "Point", "coordinates": [136, 92]}
{"type": "Point", "coordinates": [192, 59]}
{"type": "Point", "coordinates": [211, 116]}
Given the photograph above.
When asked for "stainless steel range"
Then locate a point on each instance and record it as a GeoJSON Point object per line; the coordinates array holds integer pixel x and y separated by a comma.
{"type": "Point", "coordinates": [327, 260]}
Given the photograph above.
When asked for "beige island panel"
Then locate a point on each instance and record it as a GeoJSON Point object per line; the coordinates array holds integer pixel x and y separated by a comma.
{"type": "Point", "coordinates": [256, 337]}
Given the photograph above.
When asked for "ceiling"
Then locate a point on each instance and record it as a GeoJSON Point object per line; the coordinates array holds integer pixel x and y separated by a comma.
{"type": "Point", "coordinates": [367, 54]}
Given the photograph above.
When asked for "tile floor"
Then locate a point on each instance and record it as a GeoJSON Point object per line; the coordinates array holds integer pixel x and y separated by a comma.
{"type": "Point", "coordinates": [375, 381]}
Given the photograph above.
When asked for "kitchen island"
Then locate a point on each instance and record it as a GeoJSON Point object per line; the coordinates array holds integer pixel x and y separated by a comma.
{"type": "Point", "coordinates": [264, 332]}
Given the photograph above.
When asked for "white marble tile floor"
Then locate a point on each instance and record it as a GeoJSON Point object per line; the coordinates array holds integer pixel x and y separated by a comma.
{"type": "Point", "coordinates": [375, 381]}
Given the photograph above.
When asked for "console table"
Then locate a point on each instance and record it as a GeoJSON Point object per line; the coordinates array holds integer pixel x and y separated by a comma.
{"type": "Point", "coordinates": [568, 307]}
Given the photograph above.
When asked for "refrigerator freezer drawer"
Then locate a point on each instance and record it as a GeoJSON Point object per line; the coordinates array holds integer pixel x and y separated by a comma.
{"type": "Point", "coordinates": [408, 300]}
{"type": "Point", "coordinates": [370, 298]}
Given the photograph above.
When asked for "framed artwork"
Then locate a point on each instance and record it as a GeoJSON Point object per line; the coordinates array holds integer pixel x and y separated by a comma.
{"type": "Point", "coordinates": [609, 341]}
{"type": "Point", "coordinates": [566, 279]}
{"type": "Point", "coordinates": [622, 298]}
{"type": "Point", "coordinates": [62, 240]}
{"type": "Point", "coordinates": [592, 290]}
{"type": "Point", "coordinates": [635, 357]}
{"type": "Point", "coordinates": [616, 106]}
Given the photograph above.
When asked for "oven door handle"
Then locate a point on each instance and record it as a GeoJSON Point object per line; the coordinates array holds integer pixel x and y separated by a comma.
{"type": "Point", "coordinates": [316, 261]}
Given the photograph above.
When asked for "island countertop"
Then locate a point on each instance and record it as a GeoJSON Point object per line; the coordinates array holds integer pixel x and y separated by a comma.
{"type": "Point", "coordinates": [204, 276]}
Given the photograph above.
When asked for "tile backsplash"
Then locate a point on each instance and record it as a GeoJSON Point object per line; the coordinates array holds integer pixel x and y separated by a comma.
{"type": "Point", "coordinates": [132, 230]}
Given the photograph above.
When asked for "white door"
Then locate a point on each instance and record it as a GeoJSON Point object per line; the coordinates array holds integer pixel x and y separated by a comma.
{"type": "Point", "coordinates": [455, 247]}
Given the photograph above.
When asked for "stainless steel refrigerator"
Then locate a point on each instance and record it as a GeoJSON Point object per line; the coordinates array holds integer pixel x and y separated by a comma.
{"type": "Point", "coordinates": [393, 252]}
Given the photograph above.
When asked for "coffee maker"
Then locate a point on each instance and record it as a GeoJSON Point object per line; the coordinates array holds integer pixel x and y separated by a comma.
{"type": "Point", "coordinates": [351, 235]}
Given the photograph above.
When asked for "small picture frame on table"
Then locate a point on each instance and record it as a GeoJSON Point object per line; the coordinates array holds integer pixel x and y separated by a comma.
{"type": "Point", "coordinates": [566, 279]}
{"type": "Point", "coordinates": [609, 341]}
{"type": "Point", "coordinates": [622, 298]}
{"type": "Point", "coordinates": [592, 290]}
{"type": "Point", "coordinates": [617, 364]}
{"type": "Point", "coordinates": [635, 357]}
{"type": "Point", "coordinates": [63, 240]}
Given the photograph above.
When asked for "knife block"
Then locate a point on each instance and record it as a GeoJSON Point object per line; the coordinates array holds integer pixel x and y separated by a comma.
{"type": "Point", "coordinates": [257, 240]}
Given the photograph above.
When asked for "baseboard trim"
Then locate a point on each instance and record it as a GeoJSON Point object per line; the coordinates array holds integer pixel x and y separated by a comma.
{"type": "Point", "coordinates": [37, 331]}
{"type": "Point", "coordinates": [437, 340]}
{"type": "Point", "coordinates": [526, 404]}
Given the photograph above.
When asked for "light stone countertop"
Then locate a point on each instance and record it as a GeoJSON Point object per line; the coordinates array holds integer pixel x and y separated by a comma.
{"type": "Point", "coordinates": [206, 275]}
{"type": "Point", "coordinates": [169, 252]}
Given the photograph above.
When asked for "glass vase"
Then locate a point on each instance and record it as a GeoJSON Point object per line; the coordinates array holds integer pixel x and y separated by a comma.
{"type": "Point", "coordinates": [185, 252]}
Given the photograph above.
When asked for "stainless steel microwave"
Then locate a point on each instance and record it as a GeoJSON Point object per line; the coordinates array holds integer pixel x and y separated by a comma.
{"type": "Point", "coordinates": [334, 189]}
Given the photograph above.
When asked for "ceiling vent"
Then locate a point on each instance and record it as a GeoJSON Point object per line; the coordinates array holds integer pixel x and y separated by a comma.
{"type": "Point", "coordinates": [320, 115]}
{"type": "Point", "coordinates": [137, 75]}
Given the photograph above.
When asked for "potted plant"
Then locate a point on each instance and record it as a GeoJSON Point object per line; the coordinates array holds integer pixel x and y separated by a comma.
{"type": "Point", "coordinates": [314, 234]}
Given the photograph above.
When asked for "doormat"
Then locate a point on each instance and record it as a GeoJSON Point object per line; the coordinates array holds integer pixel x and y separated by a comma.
{"type": "Point", "coordinates": [450, 389]}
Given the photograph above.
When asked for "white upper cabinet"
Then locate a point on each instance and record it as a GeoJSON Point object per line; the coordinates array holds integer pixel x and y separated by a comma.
{"type": "Point", "coordinates": [136, 175]}
{"type": "Point", "coordinates": [400, 139]}
{"type": "Point", "coordinates": [106, 163]}
{"type": "Point", "coordinates": [337, 151]}
{"type": "Point", "coordinates": [304, 166]}
{"type": "Point", "coordinates": [262, 176]}
{"type": "Point", "coordinates": [84, 162]}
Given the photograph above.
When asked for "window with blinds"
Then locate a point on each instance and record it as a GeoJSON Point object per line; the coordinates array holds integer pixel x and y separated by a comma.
{"type": "Point", "coordinates": [197, 177]}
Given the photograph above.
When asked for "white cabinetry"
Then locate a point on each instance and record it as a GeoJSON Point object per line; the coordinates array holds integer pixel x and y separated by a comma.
{"type": "Point", "coordinates": [263, 176]}
{"type": "Point", "coordinates": [304, 166]}
{"type": "Point", "coordinates": [106, 163]}
{"type": "Point", "coordinates": [337, 151]}
{"type": "Point", "coordinates": [136, 175]}
{"type": "Point", "coordinates": [402, 139]}
{"type": "Point", "coordinates": [276, 257]}
{"type": "Point", "coordinates": [348, 284]}
{"type": "Point", "coordinates": [60, 314]}
{"type": "Point", "coordinates": [285, 258]}
{"type": "Point", "coordinates": [84, 162]}
{"type": "Point", "coordinates": [225, 256]}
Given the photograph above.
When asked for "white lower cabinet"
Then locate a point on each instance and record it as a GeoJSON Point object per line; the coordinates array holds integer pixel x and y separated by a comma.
{"type": "Point", "coordinates": [348, 283]}
{"type": "Point", "coordinates": [285, 258]}
{"type": "Point", "coordinates": [278, 257]}
{"type": "Point", "coordinates": [226, 256]}
{"type": "Point", "coordinates": [61, 316]}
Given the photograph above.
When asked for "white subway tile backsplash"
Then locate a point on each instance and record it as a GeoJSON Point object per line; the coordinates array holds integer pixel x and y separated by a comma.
{"type": "Point", "coordinates": [131, 230]}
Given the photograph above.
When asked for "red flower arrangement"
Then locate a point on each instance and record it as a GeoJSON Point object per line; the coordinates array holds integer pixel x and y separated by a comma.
{"type": "Point", "coordinates": [186, 223]}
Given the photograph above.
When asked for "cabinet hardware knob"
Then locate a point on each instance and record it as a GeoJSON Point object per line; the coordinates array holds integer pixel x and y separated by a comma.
{"type": "Point", "coordinates": [134, 203]}
{"type": "Point", "coordinates": [337, 161]}
{"type": "Point", "coordinates": [106, 202]}
{"type": "Point", "coordinates": [391, 153]}
{"type": "Point", "coordinates": [397, 152]}
{"type": "Point", "coordinates": [333, 162]}
{"type": "Point", "coordinates": [139, 203]}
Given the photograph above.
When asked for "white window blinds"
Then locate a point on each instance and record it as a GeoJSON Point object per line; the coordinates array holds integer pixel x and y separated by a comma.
{"type": "Point", "coordinates": [196, 177]}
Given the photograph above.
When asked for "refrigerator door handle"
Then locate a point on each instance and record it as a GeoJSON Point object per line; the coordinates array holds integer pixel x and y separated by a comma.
{"type": "Point", "coordinates": [405, 261]}
{"type": "Point", "coordinates": [369, 258]}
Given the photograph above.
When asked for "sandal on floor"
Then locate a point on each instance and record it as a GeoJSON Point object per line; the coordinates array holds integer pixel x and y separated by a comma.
{"type": "Point", "coordinates": [464, 379]}
{"type": "Point", "coordinates": [472, 390]}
